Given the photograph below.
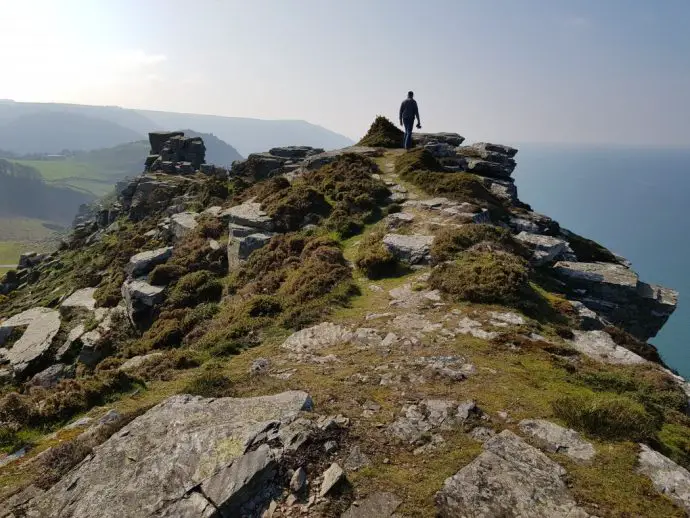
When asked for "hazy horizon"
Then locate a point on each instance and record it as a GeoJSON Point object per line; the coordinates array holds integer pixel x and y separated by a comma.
{"type": "Point", "coordinates": [537, 71]}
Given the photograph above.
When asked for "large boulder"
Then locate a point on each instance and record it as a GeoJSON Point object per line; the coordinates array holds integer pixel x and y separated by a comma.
{"type": "Point", "coordinates": [50, 377]}
{"type": "Point", "coordinates": [140, 297]}
{"type": "Point", "coordinates": [157, 139]}
{"type": "Point", "coordinates": [182, 224]}
{"type": "Point", "coordinates": [509, 478]}
{"type": "Point", "coordinates": [27, 353]}
{"type": "Point", "coordinates": [250, 214]}
{"type": "Point", "coordinates": [186, 457]}
{"type": "Point", "coordinates": [142, 263]}
{"type": "Point", "coordinates": [410, 249]}
{"type": "Point", "coordinates": [79, 303]}
{"type": "Point", "coordinates": [616, 293]}
{"type": "Point", "coordinates": [425, 139]}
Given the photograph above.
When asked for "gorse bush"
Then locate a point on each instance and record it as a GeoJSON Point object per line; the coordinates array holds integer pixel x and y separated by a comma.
{"type": "Point", "coordinates": [607, 416]}
{"type": "Point", "coordinates": [484, 277]}
{"type": "Point", "coordinates": [383, 133]}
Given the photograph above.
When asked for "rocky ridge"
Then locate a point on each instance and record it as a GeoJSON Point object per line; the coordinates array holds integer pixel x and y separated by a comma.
{"type": "Point", "coordinates": [364, 375]}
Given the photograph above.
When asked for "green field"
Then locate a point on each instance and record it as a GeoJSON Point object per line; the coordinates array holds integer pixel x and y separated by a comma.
{"type": "Point", "coordinates": [77, 175]}
{"type": "Point", "coordinates": [9, 252]}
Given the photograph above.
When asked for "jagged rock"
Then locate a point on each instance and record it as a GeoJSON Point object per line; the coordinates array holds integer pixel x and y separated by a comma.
{"type": "Point", "coordinates": [410, 249]}
{"type": "Point", "coordinates": [398, 220]}
{"type": "Point", "coordinates": [512, 479]}
{"type": "Point", "coordinates": [30, 259]}
{"type": "Point", "coordinates": [157, 139]}
{"type": "Point", "coordinates": [258, 165]}
{"type": "Point", "coordinates": [467, 326]}
{"type": "Point", "coordinates": [425, 139]}
{"type": "Point", "coordinates": [376, 505]}
{"type": "Point", "coordinates": [42, 324]}
{"type": "Point", "coordinates": [71, 343]}
{"type": "Point", "coordinates": [556, 439]}
{"type": "Point", "coordinates": [545, 249]}
{"type": "Point", "coordinates": [182, 224]}
{"type": "Point", "coordinates": [496, 148]}
{"type": "Point", "coordinates": [600, 346]}
{"type": "Point", "coordinates": [259, 366]}
{"type": "Point", "coordinates": [589, 320]}
{"type": "Point", "coordinates": [616, 293]}
{"type": "Point", "coordinates": [80, 303]}
{"type": "Point", "coordinates": [50, 377]}
{"type": "Point", "coordinates": [356, 459]}
{"type": "Point", "coordinates": [429, 415]}
{"type": "Point", "coordinates": [500, 319]}
{"type": "Point", "coordinates": [295, 152]}
{"type": "Point", "coordinates": [298, 480]}
{"type": "Point", "coordinates": [454, 368]}
{"type": "Point", "coordinates": [317, 337]}
{"type": "Point", "coordinates": [317, 161]}
{"type": "Point", "coordinates": [140, 297]}
{"type": "Point", "coordinates": [332, 477]}
{"type": "Point", "coordinates": [250, 214]}
{"type": "Point", "coordinates": [145, 195]}
{"type": "Point", "coordinates": [143, 262]}
{"type": "Point", "coordinates": [240, 248]}
{"type": "Point", "coordinates": [186, 457]}
{"type": "Point", "coordinates": [137, 361]}
{"type": "Point", "coordinates": [668, 477]}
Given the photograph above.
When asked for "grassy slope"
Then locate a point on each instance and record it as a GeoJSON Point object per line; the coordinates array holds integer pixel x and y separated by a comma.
{"type": "Point", "coordinates": [78, 175]}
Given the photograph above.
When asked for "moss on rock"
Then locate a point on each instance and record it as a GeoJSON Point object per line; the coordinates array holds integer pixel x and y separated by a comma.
{"type": "Point", "coordinates": [383, 133]}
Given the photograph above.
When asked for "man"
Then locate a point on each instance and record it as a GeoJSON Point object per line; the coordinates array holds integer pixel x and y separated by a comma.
{"type": "Point", "coordinates": [408, 112]}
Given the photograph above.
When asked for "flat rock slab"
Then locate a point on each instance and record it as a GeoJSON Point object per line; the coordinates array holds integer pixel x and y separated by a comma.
{"type": "Point", "coordinates": [599, 346]}
{"type": "Point", "coordinates": [668, 477]}
{"type": "Point", "coordinates": [587, 274]}
{"type": "Point", "coordinates": [80, 300]}
{"type": "Point", "coordinates": [137, 361]}
{"type": "Point", "coordinates": [412, 249]}
{"type": "Point", "coordinates": [142, 263]}
{"type": "Point", "coordinates": [186, 457]}
{"type": "Point", "coordinates": [556, 439]}
{"type": "Point", "coordinates": [430, 414]}
{"type": "Point", "coordinates": [42, 326]}
{"type": "Point", "coordinates": [250, 214]}
{"type": "Point", "coordinates": [545, 249]}
{"type": "Point", "coordinates": [376, 505]}
{"type": "Point", "coordinates": [317, 337]}
{"type": "Point", "coordinates": [509, 478]}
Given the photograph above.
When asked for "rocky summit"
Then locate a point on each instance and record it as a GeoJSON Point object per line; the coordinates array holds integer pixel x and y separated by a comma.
{"type": "Point", "coordinates": [365, 332]}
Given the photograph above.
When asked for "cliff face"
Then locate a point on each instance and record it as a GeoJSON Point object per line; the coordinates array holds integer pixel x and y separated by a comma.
{"type": "Point", "coordinates": [362, 332]}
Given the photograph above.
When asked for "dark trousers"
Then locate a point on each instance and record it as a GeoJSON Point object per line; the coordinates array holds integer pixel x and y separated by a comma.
{"type": "Point", "coordinates": [409, 124]}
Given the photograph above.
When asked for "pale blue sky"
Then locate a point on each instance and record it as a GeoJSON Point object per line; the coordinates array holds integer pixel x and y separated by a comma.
{"type": "Point", "coordinates": [589, 71]}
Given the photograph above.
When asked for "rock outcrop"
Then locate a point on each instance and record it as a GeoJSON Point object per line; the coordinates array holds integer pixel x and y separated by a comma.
{"type": "Point", "coordinates": [186, 457]}
{"type": "Point", "coordinates": [173, 153]}
{"type": "Point", "coordinates": [510, 478]}
{"type": "Point", "coordinates": [27, 353]}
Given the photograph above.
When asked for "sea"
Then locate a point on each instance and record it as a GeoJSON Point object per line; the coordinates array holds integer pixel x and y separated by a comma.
{"type": "Point", "coordinates": [634, 201]}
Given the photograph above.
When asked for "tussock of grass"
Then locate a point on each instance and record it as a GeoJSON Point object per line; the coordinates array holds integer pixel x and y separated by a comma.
{"type": "Point", "coordinates": [484, 277]}
{"type": "Point", "coordinates": [383, 133]}
{"type": "Point", "coordinates": [210, 382]}
{"type": "Point", "coordinates": [607, 416]}
{"type": "Point", "coordinates": [195, 288]}
{"type": "Point", "coordinates": [373, 258]}
{"type": "Point", "coordinates": [451, 241]}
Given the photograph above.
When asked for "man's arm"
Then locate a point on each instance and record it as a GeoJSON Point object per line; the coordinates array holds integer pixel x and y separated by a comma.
{"type": "Point", "coordinates": [416, 112]}
{"type": "Point", "coordinates": [402, 107]}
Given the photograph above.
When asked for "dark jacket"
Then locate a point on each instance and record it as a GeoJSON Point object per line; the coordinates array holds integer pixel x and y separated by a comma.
{"type": "Point", "coordinates": [409, 110]}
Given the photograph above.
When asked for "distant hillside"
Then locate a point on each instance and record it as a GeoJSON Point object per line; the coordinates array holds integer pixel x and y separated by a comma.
{"type": "Point", "coordinates": [54, 131]}
{"type": "Point", "coordinates": [218, 151]}
{"type": "Point", "coordinates": [246, 135]}
{"type": "Point", "coordinates": [24, 193]}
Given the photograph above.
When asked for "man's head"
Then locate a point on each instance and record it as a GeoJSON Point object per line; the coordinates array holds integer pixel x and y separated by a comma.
{"type": "Point", "coordinates": [410, 95]}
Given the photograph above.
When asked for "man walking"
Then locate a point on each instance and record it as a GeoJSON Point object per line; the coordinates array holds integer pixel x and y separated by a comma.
{"type": "Point", "coordinates": [408, 112]}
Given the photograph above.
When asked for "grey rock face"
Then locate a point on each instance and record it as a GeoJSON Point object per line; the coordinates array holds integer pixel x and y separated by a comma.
{"type": "Point", "coordinates": [425, 139]}
{"type": "Point", "coordinates": [496, 148]}
{"type": "Point", "coordinates": [298, 480]}
{"type": "Point", "coordinates": [511, 479]}
{"type": "Point", "coordinates": [240, 247]}
{"type": "Point", "coordinates": [376, 505]}
{"type": "Point", "coordinates": [668, 477]}
{"type": "Point", "coordinates": [50, 377]}
{"type": "Point", "coordinates": [616, 293]}
{"type": "Point", "coordinates": [321, 336]}
{"type": "Point", "coordinates": [545, 249]}
{"type": "Point", "coordinates": [556, 439]}
{"type": "Point", "coordinates": [27, 352]}
{"type": "Point", "coordinates": [71, 343]}
{"type": "Point", "coordinates": [295, 152]}
{"type": "Point", "coordinates": [413, 249]}
{"type": "Point", "coordinates": [186, 457]}
{"type": "Point", "coordinates": [80, 302]}
{"type": "Point", "coordinates": [142, 263]}
{"type": "Point", "coordinates": [140, 297]}
{"type": "Point", "coordinates": [430, 414]}
{"type": "Point", "coordinates": [600, 346]}
{"type": "Point", "coordinates": [182, 224]}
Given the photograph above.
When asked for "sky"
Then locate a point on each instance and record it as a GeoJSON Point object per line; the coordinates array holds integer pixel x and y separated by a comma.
{"type": "Point", "coordinates": [577, 72]}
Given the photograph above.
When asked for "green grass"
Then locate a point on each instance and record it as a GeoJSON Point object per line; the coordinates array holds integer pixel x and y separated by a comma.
{"type": "Point", "coordinates": [9, 252]}
{"type": "Point", "coordinates": [68, 173]}
{"type": "Point", "coordinates": [19, 229]}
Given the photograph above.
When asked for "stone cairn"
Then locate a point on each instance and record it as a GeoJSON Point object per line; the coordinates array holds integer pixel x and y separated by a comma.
{"type": "Point", "coordinates": [173, 153]}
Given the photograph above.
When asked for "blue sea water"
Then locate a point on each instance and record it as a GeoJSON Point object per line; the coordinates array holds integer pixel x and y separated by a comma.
{"type": "Point", "coordinates": [634, 201]}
